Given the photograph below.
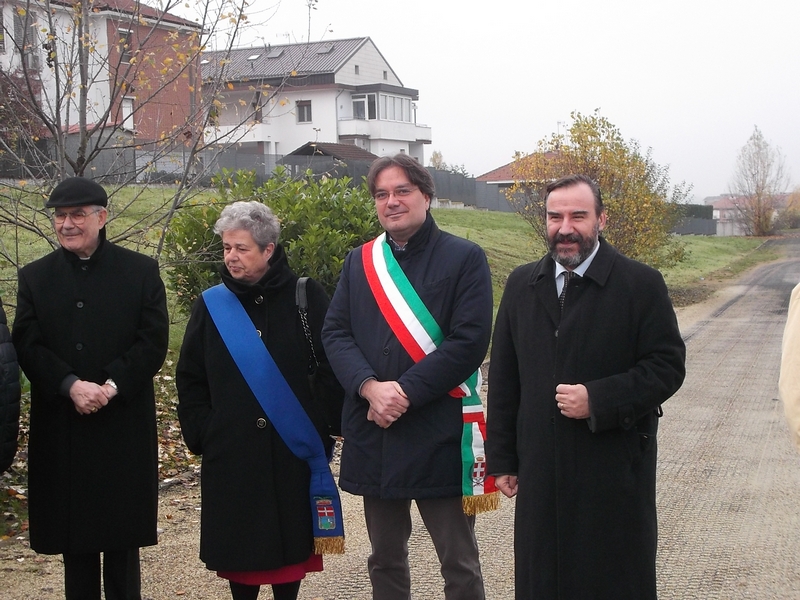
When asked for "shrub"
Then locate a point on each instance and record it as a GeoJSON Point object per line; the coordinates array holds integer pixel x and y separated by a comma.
{"type": "Point", "coordinates": [322, 219]}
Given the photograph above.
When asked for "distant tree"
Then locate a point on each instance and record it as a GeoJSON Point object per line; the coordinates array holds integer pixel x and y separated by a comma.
{"type": "Point", "coordinates": [437, 162]}
{"type": "Point", "coordinates": [759, 183]}
{"type": "Point", "coordinates": [641, 204]}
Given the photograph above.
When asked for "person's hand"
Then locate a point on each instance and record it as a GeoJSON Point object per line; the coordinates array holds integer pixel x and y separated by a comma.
{"type": "Point", "coordinates": [573, 400]}
{"type": "Point", "coordinates": [87, 396]}
{"type": "Point", "coordinates": [508, 484]}
{"type": "Point", "coordinates": [377, 419]}
{"type": "Point", "coordinates": [387, 401]}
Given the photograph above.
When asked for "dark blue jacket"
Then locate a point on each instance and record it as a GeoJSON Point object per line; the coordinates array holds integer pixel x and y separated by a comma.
{"type": "Point", "coordinates": [419, 455]}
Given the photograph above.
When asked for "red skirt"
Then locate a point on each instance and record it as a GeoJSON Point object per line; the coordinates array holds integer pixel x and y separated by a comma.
{"type": "Point", "coordinates": [283, 575]}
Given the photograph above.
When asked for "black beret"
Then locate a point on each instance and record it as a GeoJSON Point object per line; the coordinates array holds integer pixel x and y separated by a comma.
{"type": "Point", "coordinates": [78, 191]}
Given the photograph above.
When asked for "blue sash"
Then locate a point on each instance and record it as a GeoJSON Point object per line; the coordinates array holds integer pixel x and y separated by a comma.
{"type": "Point", "coordinates": [284, 411]}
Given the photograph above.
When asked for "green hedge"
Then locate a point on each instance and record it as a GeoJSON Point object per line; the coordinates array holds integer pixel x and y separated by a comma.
{"type": "Point", "coordinates": [322, 219]}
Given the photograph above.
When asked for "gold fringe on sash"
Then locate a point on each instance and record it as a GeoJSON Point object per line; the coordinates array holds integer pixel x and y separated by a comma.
{"type": "Point", "coordinates": [329, 545]}
{"type": "Point", "coordinates": [474, 505]}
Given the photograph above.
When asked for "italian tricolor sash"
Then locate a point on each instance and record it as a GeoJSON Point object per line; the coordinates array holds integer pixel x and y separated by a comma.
{"type": "Point", "coordinates": [420, 334]}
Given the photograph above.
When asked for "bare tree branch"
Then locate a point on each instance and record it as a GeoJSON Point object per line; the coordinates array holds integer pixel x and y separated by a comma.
{"type": "Point", "coordinates": [759, 185]}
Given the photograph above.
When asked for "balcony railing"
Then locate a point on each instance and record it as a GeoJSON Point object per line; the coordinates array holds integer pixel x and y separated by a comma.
{"type": "Point", "coordinates": [236, 134]}
{"type": "Point", "coordinates": [385, 130]}
{"type": "Point", "coordinates": [373, 130]}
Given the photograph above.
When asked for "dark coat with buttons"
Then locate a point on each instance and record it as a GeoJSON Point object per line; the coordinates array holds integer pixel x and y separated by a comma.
{"type": "Point", "coordinates": [9, 395]}
{"type": "Point", "coordinates": [586, 506]}
{"type": "Point", "coordinates": [93, 479]}
{"type": "Point", "coordinates": [256, 510]}
{"type": "Point", "coordinates": [419, 455]}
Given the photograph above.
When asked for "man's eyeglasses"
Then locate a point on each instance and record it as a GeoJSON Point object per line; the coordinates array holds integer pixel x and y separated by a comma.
{"type": "Point", "coordinates": [77, 217]}
{"type": "Point", "coordinates": [399, 193]}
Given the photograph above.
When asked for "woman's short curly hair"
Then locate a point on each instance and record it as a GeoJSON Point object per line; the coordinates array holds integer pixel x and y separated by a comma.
{"type": "Point", "coordinates": [251, 216]}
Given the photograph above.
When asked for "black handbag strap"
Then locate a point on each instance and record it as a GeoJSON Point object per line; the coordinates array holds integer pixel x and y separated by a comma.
{"type": "Point", "coordinates": [301, 299]}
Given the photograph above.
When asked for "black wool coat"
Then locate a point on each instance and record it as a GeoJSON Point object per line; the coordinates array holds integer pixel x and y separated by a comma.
{"type": "Point", "coordinates": [9, 395]}
{"type": "Point", "coordinates": [419, 456]}
{"type": "Point", "coordinates": [93, 479]}
{"type": "Point", "coordinates": [256, 510]}
{"type": "Point", "coordinates": [585, 524]}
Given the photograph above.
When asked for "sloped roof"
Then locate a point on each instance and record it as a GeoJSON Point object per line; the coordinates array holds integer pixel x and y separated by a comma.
{"type": "Point", "coordinates": [505, 173]}
{"type": "Point", "coordinates": [343, 152]}
{"type": "Point", "coordinates": [730, 202]}
{"type": "Point", "coordinates": [723, 202]}
{"type": "Point", "coordinates": [133, 7]}
{"type": "Point", "coordinates": [277, 60]}
{"type": "Point", "coordinates": [499, 175]}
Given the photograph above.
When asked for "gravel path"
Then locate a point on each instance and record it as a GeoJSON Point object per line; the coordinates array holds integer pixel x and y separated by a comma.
{"type": "Point", "coordinates": [728, 487]}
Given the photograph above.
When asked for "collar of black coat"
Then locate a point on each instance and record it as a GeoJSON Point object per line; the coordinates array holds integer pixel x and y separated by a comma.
{"type": "Point", "coordinates": [598, 271]}
{"type": "Point", "coordinates": [101, 245]}
{"type": "Point", "coordinates": [278, 275]}
{"type": "Point", "coordinates": [427, 232]}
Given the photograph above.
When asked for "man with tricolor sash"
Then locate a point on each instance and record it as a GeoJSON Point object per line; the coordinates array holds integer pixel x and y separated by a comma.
{"type": "Point", "coordinates": [406, 333]}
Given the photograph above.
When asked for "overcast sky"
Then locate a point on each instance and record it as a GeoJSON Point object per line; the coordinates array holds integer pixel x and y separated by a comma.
{"type": "Point", "coordinates": [688, 78]}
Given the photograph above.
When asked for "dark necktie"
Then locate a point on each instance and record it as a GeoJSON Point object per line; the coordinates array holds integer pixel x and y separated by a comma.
{"type": "Point", "coordinates": [567, 277]}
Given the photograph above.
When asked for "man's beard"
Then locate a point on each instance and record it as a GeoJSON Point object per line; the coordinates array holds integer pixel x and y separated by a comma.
{"type": "Point", "coordinates": [585, 247]}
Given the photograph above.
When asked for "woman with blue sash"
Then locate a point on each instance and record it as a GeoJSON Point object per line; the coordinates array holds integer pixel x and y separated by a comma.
{"type": "Point", "coordinates": [270, 508]}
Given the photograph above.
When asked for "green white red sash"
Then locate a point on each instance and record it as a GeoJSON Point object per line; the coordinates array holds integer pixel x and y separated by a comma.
{"type": "Point", "coordinates": [420, 334]}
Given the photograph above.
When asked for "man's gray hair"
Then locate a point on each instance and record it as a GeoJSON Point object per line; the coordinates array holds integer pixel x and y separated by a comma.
{"type": "Point", "coordinates": [251, 216]}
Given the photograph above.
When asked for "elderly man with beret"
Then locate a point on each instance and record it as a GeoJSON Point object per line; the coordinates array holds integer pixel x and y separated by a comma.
{"type": "Point", "coordinates": [91, 331]}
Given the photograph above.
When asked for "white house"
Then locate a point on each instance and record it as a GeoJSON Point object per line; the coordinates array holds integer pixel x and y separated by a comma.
{"type": "Point", "coordinates": [337, 91]}
{"type": "Point", "coordinates": [729, 212]}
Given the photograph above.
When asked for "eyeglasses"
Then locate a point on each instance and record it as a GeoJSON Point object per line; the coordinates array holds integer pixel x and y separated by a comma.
{"type": "Point", "coordinates": [77, 217]}
{"type": "Point", "coordinates": [399, 193]}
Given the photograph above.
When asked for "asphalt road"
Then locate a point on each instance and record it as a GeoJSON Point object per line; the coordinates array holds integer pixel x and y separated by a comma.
{"type": "Point", "coordinates": [729, 478]}
{"type": "Point", "coordinates": [728, 484]}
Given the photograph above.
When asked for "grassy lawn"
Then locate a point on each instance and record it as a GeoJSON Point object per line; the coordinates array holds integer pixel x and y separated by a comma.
{"type": "Point", "coordinates": [715, 257]}
{"type": "Point", "coordinates": [506, 238]}
{"type": "Point", "coordinates": [710, 261]}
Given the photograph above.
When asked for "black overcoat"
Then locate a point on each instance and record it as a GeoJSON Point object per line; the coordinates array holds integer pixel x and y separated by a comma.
{"type": "Point", "coordinates": [256, 510]}
{"type": "Point", "coordinates": [585, 515]}
{"type": "Point", "coordinates": [9, 395]}
{"type": "Point", "coordinates": [419, 456]}
{"type": "Point", "coordinates": [93, 479]}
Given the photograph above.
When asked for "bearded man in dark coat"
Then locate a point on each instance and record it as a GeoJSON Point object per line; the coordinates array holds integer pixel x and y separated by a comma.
{"type": "Point", "coordinates": [576, 385]}
{"type": "Point", "coordinates": [91, 331]}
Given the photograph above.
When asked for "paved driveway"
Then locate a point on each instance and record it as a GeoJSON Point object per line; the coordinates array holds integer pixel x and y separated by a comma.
{"type": "Point", "coordinates": [729, 478]}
